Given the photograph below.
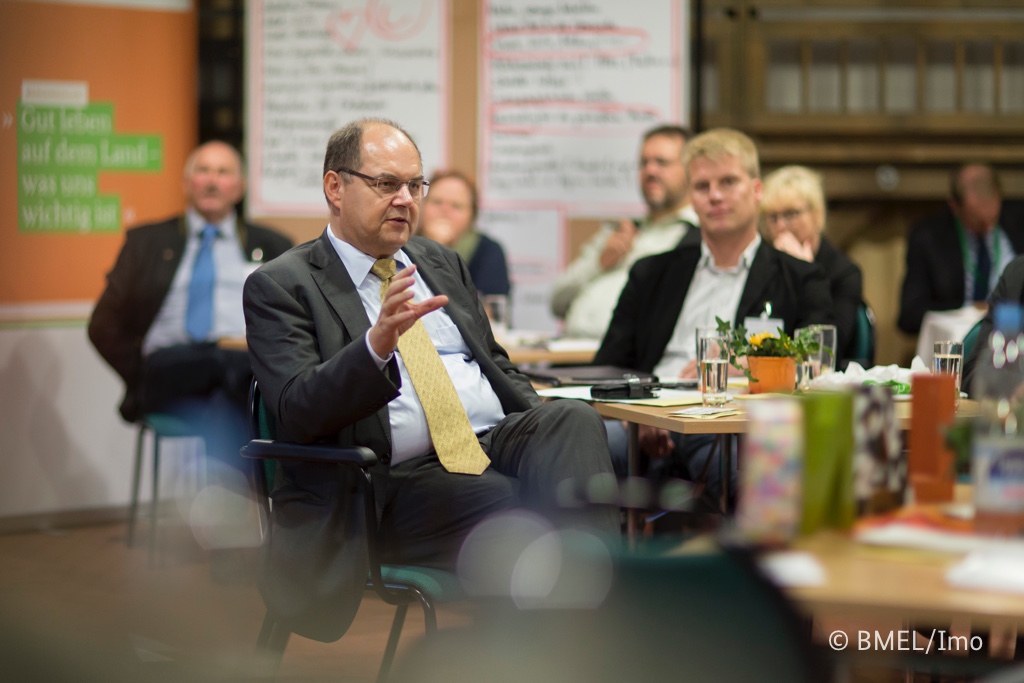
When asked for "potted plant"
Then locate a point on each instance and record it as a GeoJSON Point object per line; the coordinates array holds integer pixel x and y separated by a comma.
{"type": "Point", "coordinates": [771, 356]}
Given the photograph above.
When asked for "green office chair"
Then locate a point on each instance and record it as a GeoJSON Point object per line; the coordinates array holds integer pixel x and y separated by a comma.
{"type": "Point", "coordinates": [864, 337]}
{"type": "Point", "coordinates": [161, 426]}
{"type": "Point", "coordinates": [971, 339]}
{"type": "Point", "coordinates": [398, 585]}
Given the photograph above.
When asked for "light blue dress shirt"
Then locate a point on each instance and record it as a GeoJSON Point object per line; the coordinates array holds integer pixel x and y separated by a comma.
{"type": "Point", "coordinates": [409, 434]}
{"type": "Point", "coordinates": [168, 328]}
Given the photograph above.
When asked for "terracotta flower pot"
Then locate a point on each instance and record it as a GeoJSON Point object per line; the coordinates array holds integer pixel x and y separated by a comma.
{"type": "Point", "coordinates": [773, 374]}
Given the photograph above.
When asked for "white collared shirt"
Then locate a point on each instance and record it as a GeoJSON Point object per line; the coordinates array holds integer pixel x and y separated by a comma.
{"type": "Point", "coordinates": [409, 434]}
{"type": "Point", "coordinates": [586, 294]}
{"type": "Point", "coordinates": [231, 268]}
{"type": "Point", "coordinates": [713, 292]}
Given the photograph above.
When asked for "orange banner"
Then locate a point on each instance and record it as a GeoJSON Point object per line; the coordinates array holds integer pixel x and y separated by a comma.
{"type": "Point", "coordinates": [98, 111]}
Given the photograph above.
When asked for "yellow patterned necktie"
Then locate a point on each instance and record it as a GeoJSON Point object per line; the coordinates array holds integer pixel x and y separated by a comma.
{"type": "Point", "coordinates": [454, 441]}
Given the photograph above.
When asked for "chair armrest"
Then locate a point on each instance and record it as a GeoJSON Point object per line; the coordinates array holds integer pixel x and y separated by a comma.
{"type": "Point", "coordinates": [263, 449]}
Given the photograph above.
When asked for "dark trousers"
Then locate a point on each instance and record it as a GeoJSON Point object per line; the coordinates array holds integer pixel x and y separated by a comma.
{"type": "Point", "coordinates": [208, 387]}
{"type": "Point", "coordinates": [688, 460]}
{"type": "Point", "coordinates": [428, 511]}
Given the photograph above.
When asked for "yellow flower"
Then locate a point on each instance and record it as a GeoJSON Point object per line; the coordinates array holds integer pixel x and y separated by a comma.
{"type": "Point", "coordinates": [757, 339]}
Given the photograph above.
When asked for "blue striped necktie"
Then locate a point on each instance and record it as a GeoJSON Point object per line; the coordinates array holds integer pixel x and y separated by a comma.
{"type": "Point", "coordinates": [199, 314]}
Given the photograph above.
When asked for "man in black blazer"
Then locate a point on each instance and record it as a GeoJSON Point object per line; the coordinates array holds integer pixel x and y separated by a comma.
{"type": "Point", "coordinates": [1009, 289]}
{"type": "Point", "coordinates": [139, 323]}
{"type": "Point", "coordinates": [324, 349]}
{"type": "Point", "coordinates": [729, 273]}
{"type": "Point", "coordinates": [954, 257]}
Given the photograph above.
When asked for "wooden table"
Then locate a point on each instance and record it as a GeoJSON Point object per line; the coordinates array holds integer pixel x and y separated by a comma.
{"type": "Point", "coordinates": [533, 356]}
{"type": "Point", "coordinates": [735, 424]}
{"type": "Point", "coordinates": [727, 427]}
{"type": "Point", "coordinates": [233, 343]}
{"type": "Point", "coordinates": [865, 581]}
{"type": "Point", "coordinates": [518, 355]}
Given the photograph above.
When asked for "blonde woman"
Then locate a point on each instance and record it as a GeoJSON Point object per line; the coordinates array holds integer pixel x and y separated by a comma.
{"type": "Point", "coordinates": [793, 213]}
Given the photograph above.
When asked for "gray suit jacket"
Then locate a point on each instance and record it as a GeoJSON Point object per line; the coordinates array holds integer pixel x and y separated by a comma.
{"type": "Point", "coordinates": [305, 326]}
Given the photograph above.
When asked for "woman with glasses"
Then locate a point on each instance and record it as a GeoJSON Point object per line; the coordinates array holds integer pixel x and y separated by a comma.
{"type": "Point", "coordinates": [449, 217]}
{"type": "Point", "coordinates": [793, 220]}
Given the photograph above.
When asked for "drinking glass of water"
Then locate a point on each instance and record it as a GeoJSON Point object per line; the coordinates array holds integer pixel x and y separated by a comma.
{"type": "Point", "coordinates": [496, 306]}
{"type": "Point", "coordinates": [948, 358]}
{"type": "Point", "coordinates": [827, 352]}
{"type": "Point", "coordinates": [809, 368]}
{"type": "Point", "coordinates": [713, 357]}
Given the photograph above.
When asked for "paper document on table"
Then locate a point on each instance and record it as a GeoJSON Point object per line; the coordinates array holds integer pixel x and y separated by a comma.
{"type": "Point", "coordinates": [702, 413]}
{"type": "Point", "coordinates": [666, 398]}
{"type": "Point", "coordinates": [793, 568]}
{"type": "Point", "coordinates": [999, 569]}
{"type": "Point", "coordinates": [909, 535]}
{"type": "Point", "coordinates": [566, 344]}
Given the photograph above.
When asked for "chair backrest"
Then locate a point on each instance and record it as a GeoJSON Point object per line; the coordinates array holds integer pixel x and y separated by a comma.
{"type": "Point", "coordinates": [261, 426]}
{"type": "Point", "coordinates": [312, 584]}
{"type": "Point", "coordinates": [971, 339]}
{"type": "Point", "coordinates": [864, 337]}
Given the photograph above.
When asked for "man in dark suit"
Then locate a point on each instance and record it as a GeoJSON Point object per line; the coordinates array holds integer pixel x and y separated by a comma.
{"type": "Point", "coordinates": [1009, 289]}
{"type": "Point", "coordinates": [954, 257]}
{"type": "Point", "coordinates": [730, 273]}
{"type": "Point", "coordinates": [330, 358]}
{"type": "Point", "coordinates": [141, 323]}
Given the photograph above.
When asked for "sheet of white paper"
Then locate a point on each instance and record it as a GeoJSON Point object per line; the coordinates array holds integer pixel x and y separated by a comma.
{"type": "Point", "coordinates": [793, 568]}
{"type": "Point", "coordinates": [997, 569]}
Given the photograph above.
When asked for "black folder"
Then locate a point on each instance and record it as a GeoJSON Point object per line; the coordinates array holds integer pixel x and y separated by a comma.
{"type": "Point", "coordinates": [569, 375]}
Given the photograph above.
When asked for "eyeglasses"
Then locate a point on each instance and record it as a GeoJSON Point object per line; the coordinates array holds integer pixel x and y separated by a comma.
{"type": "Point", "coordinates": [388, 185]}
{"type": "Point", "coordinates": [787, 215]}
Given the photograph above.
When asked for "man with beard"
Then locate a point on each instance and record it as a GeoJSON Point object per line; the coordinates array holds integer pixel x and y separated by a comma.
{"type": "Point", "coordinates": [728, 273]}
{"type": "Point", "coordinates": [585, 294]}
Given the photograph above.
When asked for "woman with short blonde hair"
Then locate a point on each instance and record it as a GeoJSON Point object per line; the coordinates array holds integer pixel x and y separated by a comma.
{"type": "Point", "coordinates": [793, 220]}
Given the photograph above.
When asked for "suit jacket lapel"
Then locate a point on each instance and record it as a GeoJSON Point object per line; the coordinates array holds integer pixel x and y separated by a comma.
{"type": "Point", "coordinates": [334, 282]}
{"type": "Point", "coordinates": [753, 298]}
{"type": "Point", "coordinates": [336, 285]}
{"type": "Point", "coordinates": [670, 298]}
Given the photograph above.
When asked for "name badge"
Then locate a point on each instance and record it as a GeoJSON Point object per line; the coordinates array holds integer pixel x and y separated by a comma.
{"type": "Point", "coordinates": [760, 325]}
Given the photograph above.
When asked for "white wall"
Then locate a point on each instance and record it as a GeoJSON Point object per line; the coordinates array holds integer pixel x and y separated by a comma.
{"type": "Point", "coordinates": [63, 445]}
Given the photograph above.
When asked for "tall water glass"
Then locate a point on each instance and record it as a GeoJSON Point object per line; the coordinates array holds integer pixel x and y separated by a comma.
{"type": "Point", "coordinates": [713, 359]}
{"type": "Point", "coordinates": [702, 331]}
{"type": "Point", "coordinates": [810, 367]}
{"type": "Point", "coordinates": [827, 355]}
{"type": "Point", "coordinates": [496, 307]}
{"type": "Point", "coordinates": [948, 358]}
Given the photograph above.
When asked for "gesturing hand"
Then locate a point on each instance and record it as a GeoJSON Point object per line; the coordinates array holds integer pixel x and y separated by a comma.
{"type": "Point", "coordinates": [398, 312]}
{"type": "Point", "coordinates": [618, 245]}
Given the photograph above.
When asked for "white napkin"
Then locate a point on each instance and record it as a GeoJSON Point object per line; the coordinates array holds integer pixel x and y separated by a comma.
{"type": "Point", "coordinates": [1000, 569]}
{"type": "Point", "coordinates": [793, 568]}
{"type": "Point", "coordinates": [855, 375]}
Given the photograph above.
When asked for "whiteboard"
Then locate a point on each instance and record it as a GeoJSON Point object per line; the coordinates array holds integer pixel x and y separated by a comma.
{"type": "Point", "coordinates": [567, 90]}
{"type": "Point", "coordinates": [534, 248]}
{"type": "Point", "coordinates": [314, 65]}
